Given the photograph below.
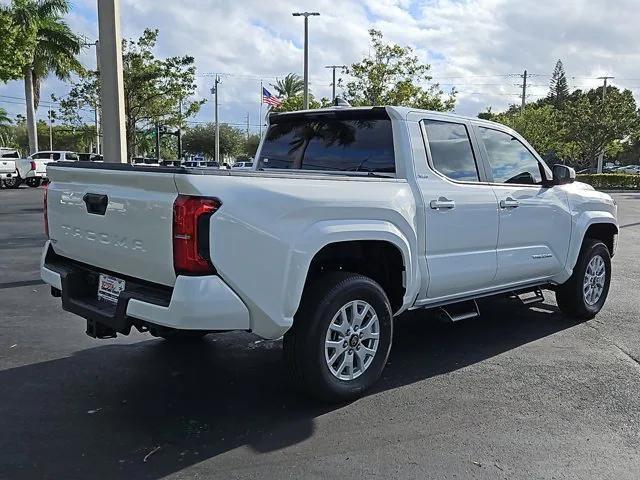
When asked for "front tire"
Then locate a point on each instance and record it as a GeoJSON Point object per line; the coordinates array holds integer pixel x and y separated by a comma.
{"type": "Point", "coordinates": [341, 337]}
{"type": "Point", "coordinates": [584, 294]}
{"type": "Point", "coordinates": [33, 182]}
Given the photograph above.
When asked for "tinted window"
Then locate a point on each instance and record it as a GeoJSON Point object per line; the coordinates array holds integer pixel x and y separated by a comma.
{"type": "Point", "coordinates": [55, 156]}
{"type": "Point", "coordinates": [510, 160]}
{"type": "Point", "coordinates": [451, 152]}
{"type": "Point", "coordinates": [72, 156]}
{"type": "Point", "coordinates": [330, 142]}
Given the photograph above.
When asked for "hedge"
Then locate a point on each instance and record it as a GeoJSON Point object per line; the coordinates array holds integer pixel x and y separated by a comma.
{"type": "Point", "coordinates": [611, 181]}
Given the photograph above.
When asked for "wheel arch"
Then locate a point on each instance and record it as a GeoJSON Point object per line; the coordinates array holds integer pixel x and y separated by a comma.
{"type": "Point", "coordinates": [354, 246]}
{"type": "Point", "coordinates": [599, 225]}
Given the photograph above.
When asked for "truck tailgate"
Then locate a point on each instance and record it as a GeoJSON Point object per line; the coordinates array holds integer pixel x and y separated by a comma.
{"type": "Point", "coordinates": [118, 220]}
{"type": "Point", "coordinates": [7, 166]}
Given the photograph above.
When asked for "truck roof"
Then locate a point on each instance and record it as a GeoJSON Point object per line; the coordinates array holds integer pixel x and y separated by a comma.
{"type": "Point", "coordinates": [394, 111]}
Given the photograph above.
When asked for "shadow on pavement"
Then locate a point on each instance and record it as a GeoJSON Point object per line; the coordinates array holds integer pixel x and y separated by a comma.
{"type": "Point", "coordinates": [99, 412]}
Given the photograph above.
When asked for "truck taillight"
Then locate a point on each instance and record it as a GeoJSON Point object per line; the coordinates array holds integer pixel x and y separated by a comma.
{"type": "Point", "coordinates": [45, 210]}
{"type": "Point", "coordinates": [191, 244]}
{"type": "Point", "coordinates": [32, 164]}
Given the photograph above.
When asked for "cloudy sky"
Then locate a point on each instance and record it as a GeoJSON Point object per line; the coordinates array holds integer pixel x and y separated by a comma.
{"type": "Point", "coordinates": [480, 47]}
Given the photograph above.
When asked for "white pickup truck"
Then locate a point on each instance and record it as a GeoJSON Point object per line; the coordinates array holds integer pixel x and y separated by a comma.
{"type": "Point", "coordinates": [350, 217]}
{"type": "Point", "coordinates": [8, 171]}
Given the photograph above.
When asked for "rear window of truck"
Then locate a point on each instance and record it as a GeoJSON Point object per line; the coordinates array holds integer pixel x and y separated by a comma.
{"type": "Point", "coordinates": [342, 141]}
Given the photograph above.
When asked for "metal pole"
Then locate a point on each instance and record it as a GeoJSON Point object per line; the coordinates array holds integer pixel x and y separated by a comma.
{"type": "Point", "coordinates": [217, 137]}
{"type": "Point", "coordinates": [97, 111]}
{"type": "Point", "coordinates": [247, 127]}
{"type": "Point", "coordinates": [305, 102]}
{"type": "Point", "coordinates": [604, 96]}
{"type": "Point", "coordinates": [180, 131]}
{"type": "Point", "coordinates": [333, 67]}
{"type": "Point", "coordinates": [306, 15]}
{"type": "Point", "coordinates": [50, 131]}
{"type": "Point", "coordinates": [261, 97]}
{"type": "Point", "coordinates": [112, 91]}
{"type": "Point", "coordinates": [157, 142]}
{"type": "Point", "coordinates": [524, 90]}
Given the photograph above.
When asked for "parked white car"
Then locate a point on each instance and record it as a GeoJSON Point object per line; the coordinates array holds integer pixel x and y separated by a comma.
{"type": "Point", "coordinates": [8, 171]}
{"type": "Point", "coordinates": [633, 169]}
{"type": "Point", "coordinates": [242, 166]}
{"type": "Point", "coordinates": [352, 216]}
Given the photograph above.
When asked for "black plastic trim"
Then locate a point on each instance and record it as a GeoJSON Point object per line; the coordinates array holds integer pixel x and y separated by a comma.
{"type": "Point", "coordinates": [79, 293]}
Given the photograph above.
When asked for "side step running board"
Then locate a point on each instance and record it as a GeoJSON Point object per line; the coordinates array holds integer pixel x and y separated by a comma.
{"type": "Point", "coordinates": [529, 297]}
{"type": "Point", "coordinates": [461, 310]}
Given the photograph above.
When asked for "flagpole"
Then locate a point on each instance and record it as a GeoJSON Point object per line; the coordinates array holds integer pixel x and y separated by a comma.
{"type": "Point", "coordinates": [260, 118]}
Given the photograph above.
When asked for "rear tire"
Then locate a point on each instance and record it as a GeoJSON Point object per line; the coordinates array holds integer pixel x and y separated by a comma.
{"type": "Point", "coordinates": [13, 182]}
{"type": "Point", "coordinates": [33, 182]}
{"type": "Point", "coordinates": [341, 337]}
{"type": "Point", "coordinates": [584, 294]}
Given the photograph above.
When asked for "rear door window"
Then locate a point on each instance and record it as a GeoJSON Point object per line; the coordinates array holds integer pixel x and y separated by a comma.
{"type": "Point", "coordinates": [451, 151]}
{"type": "Point", "coordinates": [348, 141]}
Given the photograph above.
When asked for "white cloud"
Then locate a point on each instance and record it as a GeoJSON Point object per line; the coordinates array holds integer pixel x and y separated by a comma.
{"type": "Point", "coordinates": [471, 44]}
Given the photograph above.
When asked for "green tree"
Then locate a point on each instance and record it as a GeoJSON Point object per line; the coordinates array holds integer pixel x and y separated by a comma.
{"type": "Point", "coordinates": [5, 127]}
{"type": "Point", "coordinates": [251, 145]}
{"type": "Point", "coordinates": [153, 91]}
{"type": "Point", "coordinates": [592, 125]}
{"type": "Point", "coordinates": [290, 86]}
{"type": "Point", "coordinates": [14, 47]}
{"type": "Point", "coordinates": [558, 88]}
{"type": "Point", "coordinates": [542, 126]}
{"type": "Point", "coordinates": [393, 75]}
{"type": "Point", "coordinates": [51, 48]}
{"type": "Point", "coordinates": [200, 140]}
{"type": "Point", "coordinates": [296, 102]}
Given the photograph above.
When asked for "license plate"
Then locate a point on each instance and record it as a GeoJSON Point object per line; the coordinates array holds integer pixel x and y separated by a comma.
{"type": "Point", "coordinates": [109, 288]}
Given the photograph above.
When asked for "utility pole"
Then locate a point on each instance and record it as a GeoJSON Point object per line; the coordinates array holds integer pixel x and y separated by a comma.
{"type": "Point", "coordinates": [96, 111]}
{"type": "Point", "coordinates": [158, 142]}
{"type": "Point", "coordinates": [179, 133]}
{"type": "Point", "coordinates": [524, 90]}
{"type": "Point", "coordinates": [214, 91]}
{"type": "Point", "coordinates": [604, 96]}
{"type": "Point", "coordinates": [306, 15]}
{"type": "Point", "coordinates": [50, 130]}
{"type": "Point", "coordinates": [333, 67]}
{"type": "Point", "coordinates": [247, 127]}
{"type": "Point", "coordinates": [112, 82]}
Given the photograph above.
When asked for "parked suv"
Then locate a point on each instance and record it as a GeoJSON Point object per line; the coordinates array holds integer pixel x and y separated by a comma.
{"type": "Point", "coordinates": [350, 217]}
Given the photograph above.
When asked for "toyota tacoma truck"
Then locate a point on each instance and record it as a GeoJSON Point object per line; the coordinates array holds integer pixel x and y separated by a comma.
{"type": "Point", "coordinates": [349, 217]}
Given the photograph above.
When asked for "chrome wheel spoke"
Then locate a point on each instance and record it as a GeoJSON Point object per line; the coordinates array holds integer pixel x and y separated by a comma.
{"type": "Point", "coordinates": [594, 280]}
{"type": "Point", "coordinates": [352, 340]}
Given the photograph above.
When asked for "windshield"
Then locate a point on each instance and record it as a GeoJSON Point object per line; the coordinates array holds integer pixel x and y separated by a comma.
{"type": "Point", "coordinates": [350, 141]}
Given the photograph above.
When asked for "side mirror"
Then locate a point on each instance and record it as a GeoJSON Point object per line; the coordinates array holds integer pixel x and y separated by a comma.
{"type": "Point", "coordinates": [563, 174]}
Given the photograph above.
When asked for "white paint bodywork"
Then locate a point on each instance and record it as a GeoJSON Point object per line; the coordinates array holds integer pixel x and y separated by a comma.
{"type": "Point", "coordinates": [272, 223]}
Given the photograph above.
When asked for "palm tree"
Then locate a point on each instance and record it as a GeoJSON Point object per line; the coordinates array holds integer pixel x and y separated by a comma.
{"type": "Point", "coordinates": [53, 49]}
{"type": "Point", "coordinates": [5, 124]}
{"type": "Point", "coordinates": [290, 86]}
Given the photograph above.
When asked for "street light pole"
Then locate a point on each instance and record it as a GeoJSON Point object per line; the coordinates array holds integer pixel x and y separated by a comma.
{"type": "Point", "coordinates": [604, 96]}
{"type": "Point", "coordinates": [306, 15]}
{"type": "Point", "coordinates": [214, 90]}
{"type": "Point", "coordinates": [96, 112]}
{"type": "Point", "coordinates": [333, 67]}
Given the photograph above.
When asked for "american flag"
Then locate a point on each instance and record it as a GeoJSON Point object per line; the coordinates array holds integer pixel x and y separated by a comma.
{"type": "Point", "coordinates": [269, 99]}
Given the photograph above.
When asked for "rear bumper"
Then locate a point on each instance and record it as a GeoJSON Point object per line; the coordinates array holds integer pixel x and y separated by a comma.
{"type": "Point", "coordinates": [194, 303]}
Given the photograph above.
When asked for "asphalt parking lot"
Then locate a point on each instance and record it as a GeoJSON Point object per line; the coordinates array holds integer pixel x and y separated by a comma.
{"type": "Point", "coordinates": [518, 393]}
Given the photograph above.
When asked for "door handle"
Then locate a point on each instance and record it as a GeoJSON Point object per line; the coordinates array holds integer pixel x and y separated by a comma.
{"type": "Point", "coordinates": [443, 203]}
{"type": "Point", "coordinates": [509, 203]}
